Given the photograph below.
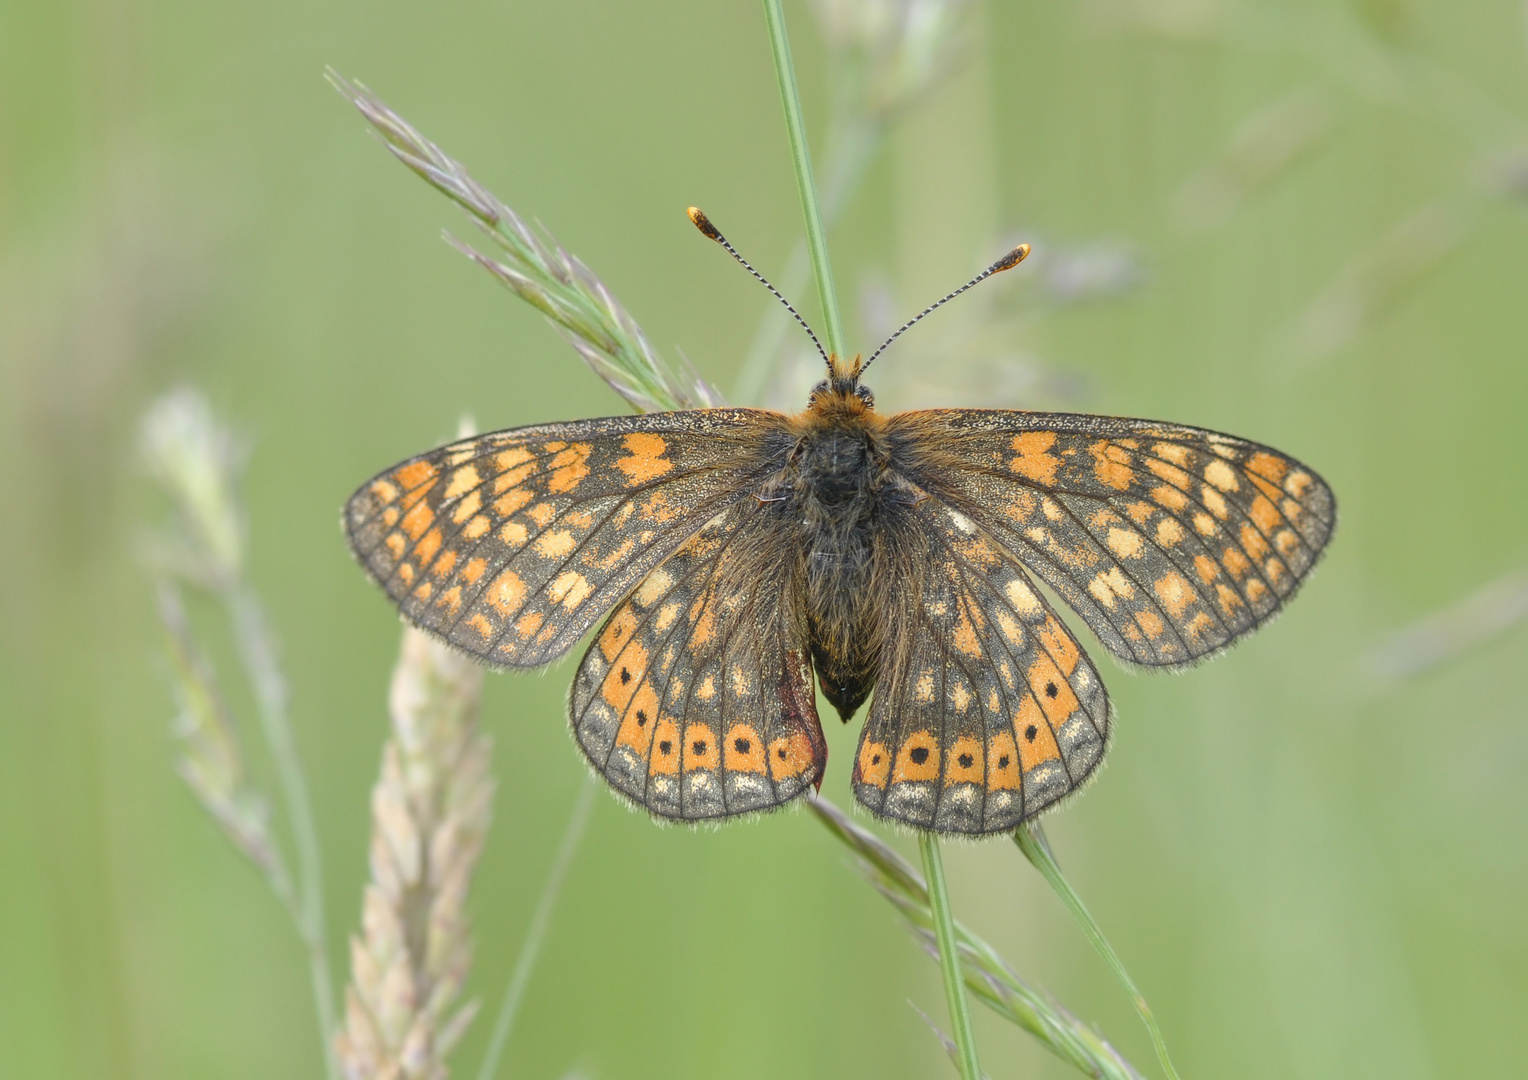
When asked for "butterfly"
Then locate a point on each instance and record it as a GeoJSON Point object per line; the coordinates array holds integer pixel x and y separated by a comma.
{"type": "Point", "coordinates": [741, 552]}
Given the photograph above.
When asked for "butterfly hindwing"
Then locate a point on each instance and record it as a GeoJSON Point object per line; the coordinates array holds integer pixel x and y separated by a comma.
{"type": "Point", "coordinates": [1171, 542]}
{"type": "Point", "coordinates": [695, 700]}
{"type": "Point", "coordinates": [987, 711]}
{"type": "Point", "coordinates": [510, 545]}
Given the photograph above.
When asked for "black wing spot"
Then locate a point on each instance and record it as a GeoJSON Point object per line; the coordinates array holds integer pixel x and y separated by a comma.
{"type": "Point", "coordinates": [919, 754]}
{"type": "Point", "coordinates": [780, 753]}
{"type": "Point", "coordinates": [699, 746]}
{"type": "Point", "coordinates": [1050, 690]}
{"type": "Point", "coordinates": [1030, 732]}
{"type": "Point", "coordinates": [641, 718]}
{"type": "Point", "coordinates": [875, 759]}
{"type": "Point", "coordinates": [626, 677]}
{"type": "Point", "coordinates": [1002, 762]}
{"type": "Point", "coordinates": [742, 746]}
{"type": "Point", "coordinates": [965, 761]}
{"type": "Point", "coordinates": [665, 748]}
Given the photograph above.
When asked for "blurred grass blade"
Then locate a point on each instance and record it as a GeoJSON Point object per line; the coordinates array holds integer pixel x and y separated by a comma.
{"type": "Point", "coordinates": [536, 269]}
{"type": "Point", "coordinates": [987, 975]}
{"type": "Point", "coordinates": [1437, 638]}
{"type": "Point", "coordinates": [949, 955]}
{"type": "Point", "coordinates": [1031, 841]}
{"type": "Point", "coordinates": [535, 934]}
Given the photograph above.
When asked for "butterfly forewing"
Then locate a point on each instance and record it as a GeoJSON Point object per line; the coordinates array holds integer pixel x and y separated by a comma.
{"type": "Point", "coordinates": [511, 545]}
{"type": "Point", "coordinates": [696, 700]}
{"type": "Point", "coordinates": [1170, 542]}
{"type": "Point", "coordinates": [987, 710]}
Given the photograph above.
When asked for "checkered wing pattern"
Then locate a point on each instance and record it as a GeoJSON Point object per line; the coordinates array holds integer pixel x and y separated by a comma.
{"type": "Point", "coordinates": [696, 699]}
{"type": "Point", "coordinates": [511, 545]}
{"type": "Point", "coordinates": [1171, 542]}
{"type": "Point", "coordinates": [987, 711]}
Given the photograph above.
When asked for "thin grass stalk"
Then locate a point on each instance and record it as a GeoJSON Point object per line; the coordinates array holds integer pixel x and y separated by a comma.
{"type": "Point", "coordinates": [949, 955]}
{"type": "Point", "coordinates": [816, 237]}
{"type": "Point", "coordinates": [536, 933]}
{"type": "Point", "coordinates": [1031, 841]}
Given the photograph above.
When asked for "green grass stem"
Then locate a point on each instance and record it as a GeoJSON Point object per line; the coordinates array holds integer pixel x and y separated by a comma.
{"type": "Point", "coordinates": [949, 956]}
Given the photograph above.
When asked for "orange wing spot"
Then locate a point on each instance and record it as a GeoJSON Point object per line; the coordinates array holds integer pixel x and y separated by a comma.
{"type": "Point", "coordinates": [463, 480]}
{"type": "Point", "coordinates": [427, 547]}
{"type": "Point", "coordinates": [743, 750]}
{"type": "Point", "coordinates": [1205, 524]}
{"type": "Point", "coordinates": [451, 599]}
{"type": "Point", "coordinates": [644, 460]}
{"type": "Point", "coordinates": [1214, 501]}
{"type": "Point", "coordinates": [960, 697]}
{"type": "Point", "coordinates": [1285, 541]}
{"type": "Point", "coordinates": [479, 622]}
{"type": "Point", "coordinates": [873, 765]}
{"type": "Point", "coordinates": [1253, 542]}
{"type": "Point", "coordinates": [657, 508]}
{"type": "Point", "coordinates": [1022, 597]}
{"type": "Point", "coordinates": [612, 560]}
{"type": "Point", "coordinates": [964, 637]}
{"type": "Point", "coordinates": [570, 589]}
{"type": "Point", "coordinates": [555, 543]}
{"type": "Point", "coordinates": [1271, 490]}
{"type": "Point", "coordinates": [1256, 590]}
{"type": "Point", "coordinates": [1124, 542]}
{"type": "Point", "coordinates": [542, 514]}
{"type": "Point", "coordinates": [1292, 510]}
{"type": "Point", "coordinates": [514, 534]}
{"type": "Point", "coordinates": [411, 476]}
{"type": "Point", "coordinates": [666, 616]}
{"type": "Point", "coordinates": [636, 730]}
{"type": "Point", "coordinates": [1151, 623]}
{"type": "Point", "coordinates": [1021, 504]}
{"type": "Point", "coordinates": [617, 633]}
{"type": "Point", "coordinates": [1298, 483]}
{"type": "Point", "coordinates": [791, 755]}
{"type": "Point", "coordinates": [1235, 562]}
{"type": "Point", "coordinates": [1059, 644]}
{"type": "Point", "coordinates": [924, 687]}
{"type": "Point", "coordinates": [1265, 515]}
{"type": "Point", "coordinates": [1206, 568]}
{"type": "Point", "coordinates": [700, 749]}
{"type": "Point", "coordinates": [1169, 532]}
{"type": "Point", "coordinates": [1175, 593]}
{"type": "Point", "coordinates": [527, 625]}
{"type": "Point", "coordinates": [476, 528]}
{"type": "Point", "coordinates": [444, 564]}
{"type": "Point", "coordinates": [568, 468]}
{"type": "Point", "coordinates": [1004, 757]}
{"type": "Point", "coordinates": [1171, 473]}
{"type": "Point", "coordinates": [1221, 475]}
{"type": "Point", "coordinates": [406, 573]}
{"type": "Point", "coordinates": [467, 507]}
{"type": "Point", "coordinates": [424, 590]}
{"type": "Point", "coordinates": [707, 688]}
{"type": "Point", "coordinates": [1140, 512]}
{"type": "Point", "coordinates": [623, 678]}
{"type": "Point", "coordinates": [1229, 601]}
{"type": "Point", "coordinates": [1111, 464]}
{"type": "Point", "coordinates": [1267, 466]}
{"type": "Point", "coordinates": [1052, 691]}
{"type": "Point", "coordinates": [507, 593]}
{"type": "Point", "coordinates": [474, 570]}
{"type": "Point", "coordinates": [917, 758]}
{"type": "Point", "coordinates": [389, 517]}
{"type": "Point", "coordinates": [418, 520]}
{"type": "Point", "coordinates": [703, 615]}
{"type": "Point", "coordinates": [384, 491]}
{"type": "Point", "coordinates": [1273, 570]}
{"type": "Point", "coordinates": [515, 455]}
{"type": "Point", "coordinates": [1012, 632]}
{"type": "Point", "coordinates": [1036, 741]}
{"type": "Point", "coordinates": [966, 763]}
{"type": "Point", "coordinates": [1173, 452]}
{"type": "Point", "coordinates": [1052, 509]}
{"type": "Point", "coordinates": [1035, 461]}
{"type": "Point", "coordinates": [1196, 626]}
{"type": "Point", "coordinates": [514, 478]}
{"type": "Point", "coordinates": [396, 544]}
{"type": "Point", "coordinates": [664, 760]}
{"type": "Point", "coordinates": [1169, 496]}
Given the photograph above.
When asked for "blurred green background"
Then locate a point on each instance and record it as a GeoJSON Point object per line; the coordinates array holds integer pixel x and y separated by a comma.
{"type": "Point", "coordinates": [1299, 222]}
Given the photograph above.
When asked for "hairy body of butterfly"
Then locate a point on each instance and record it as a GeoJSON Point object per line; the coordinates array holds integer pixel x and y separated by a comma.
{"type": "Point", "coordinates": [740, 551]}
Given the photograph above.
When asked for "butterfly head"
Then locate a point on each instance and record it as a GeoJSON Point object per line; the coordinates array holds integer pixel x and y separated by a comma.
{"type": "Point", "coordinates": [842, 392]}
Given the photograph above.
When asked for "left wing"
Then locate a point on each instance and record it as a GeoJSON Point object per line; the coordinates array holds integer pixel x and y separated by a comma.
{"type": "Point", "coordinates": [510, 545]}
{"type": "Point", "coordinates": [1171, 542]}
{"type": "Point", "coordinates": [986, 710]}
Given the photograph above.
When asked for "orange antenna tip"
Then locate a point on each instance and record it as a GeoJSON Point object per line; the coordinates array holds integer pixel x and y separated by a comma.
{"type": "Point", "coordinates": [1012, 259]}
{"type": "Point", "coordinates": [703, 223]}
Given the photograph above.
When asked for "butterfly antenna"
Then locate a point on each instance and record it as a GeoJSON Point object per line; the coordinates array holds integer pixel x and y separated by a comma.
{"type": "Point", "coordinates": [1007, 262]}
{"type": "Point", "coordinates": [703, 223]}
